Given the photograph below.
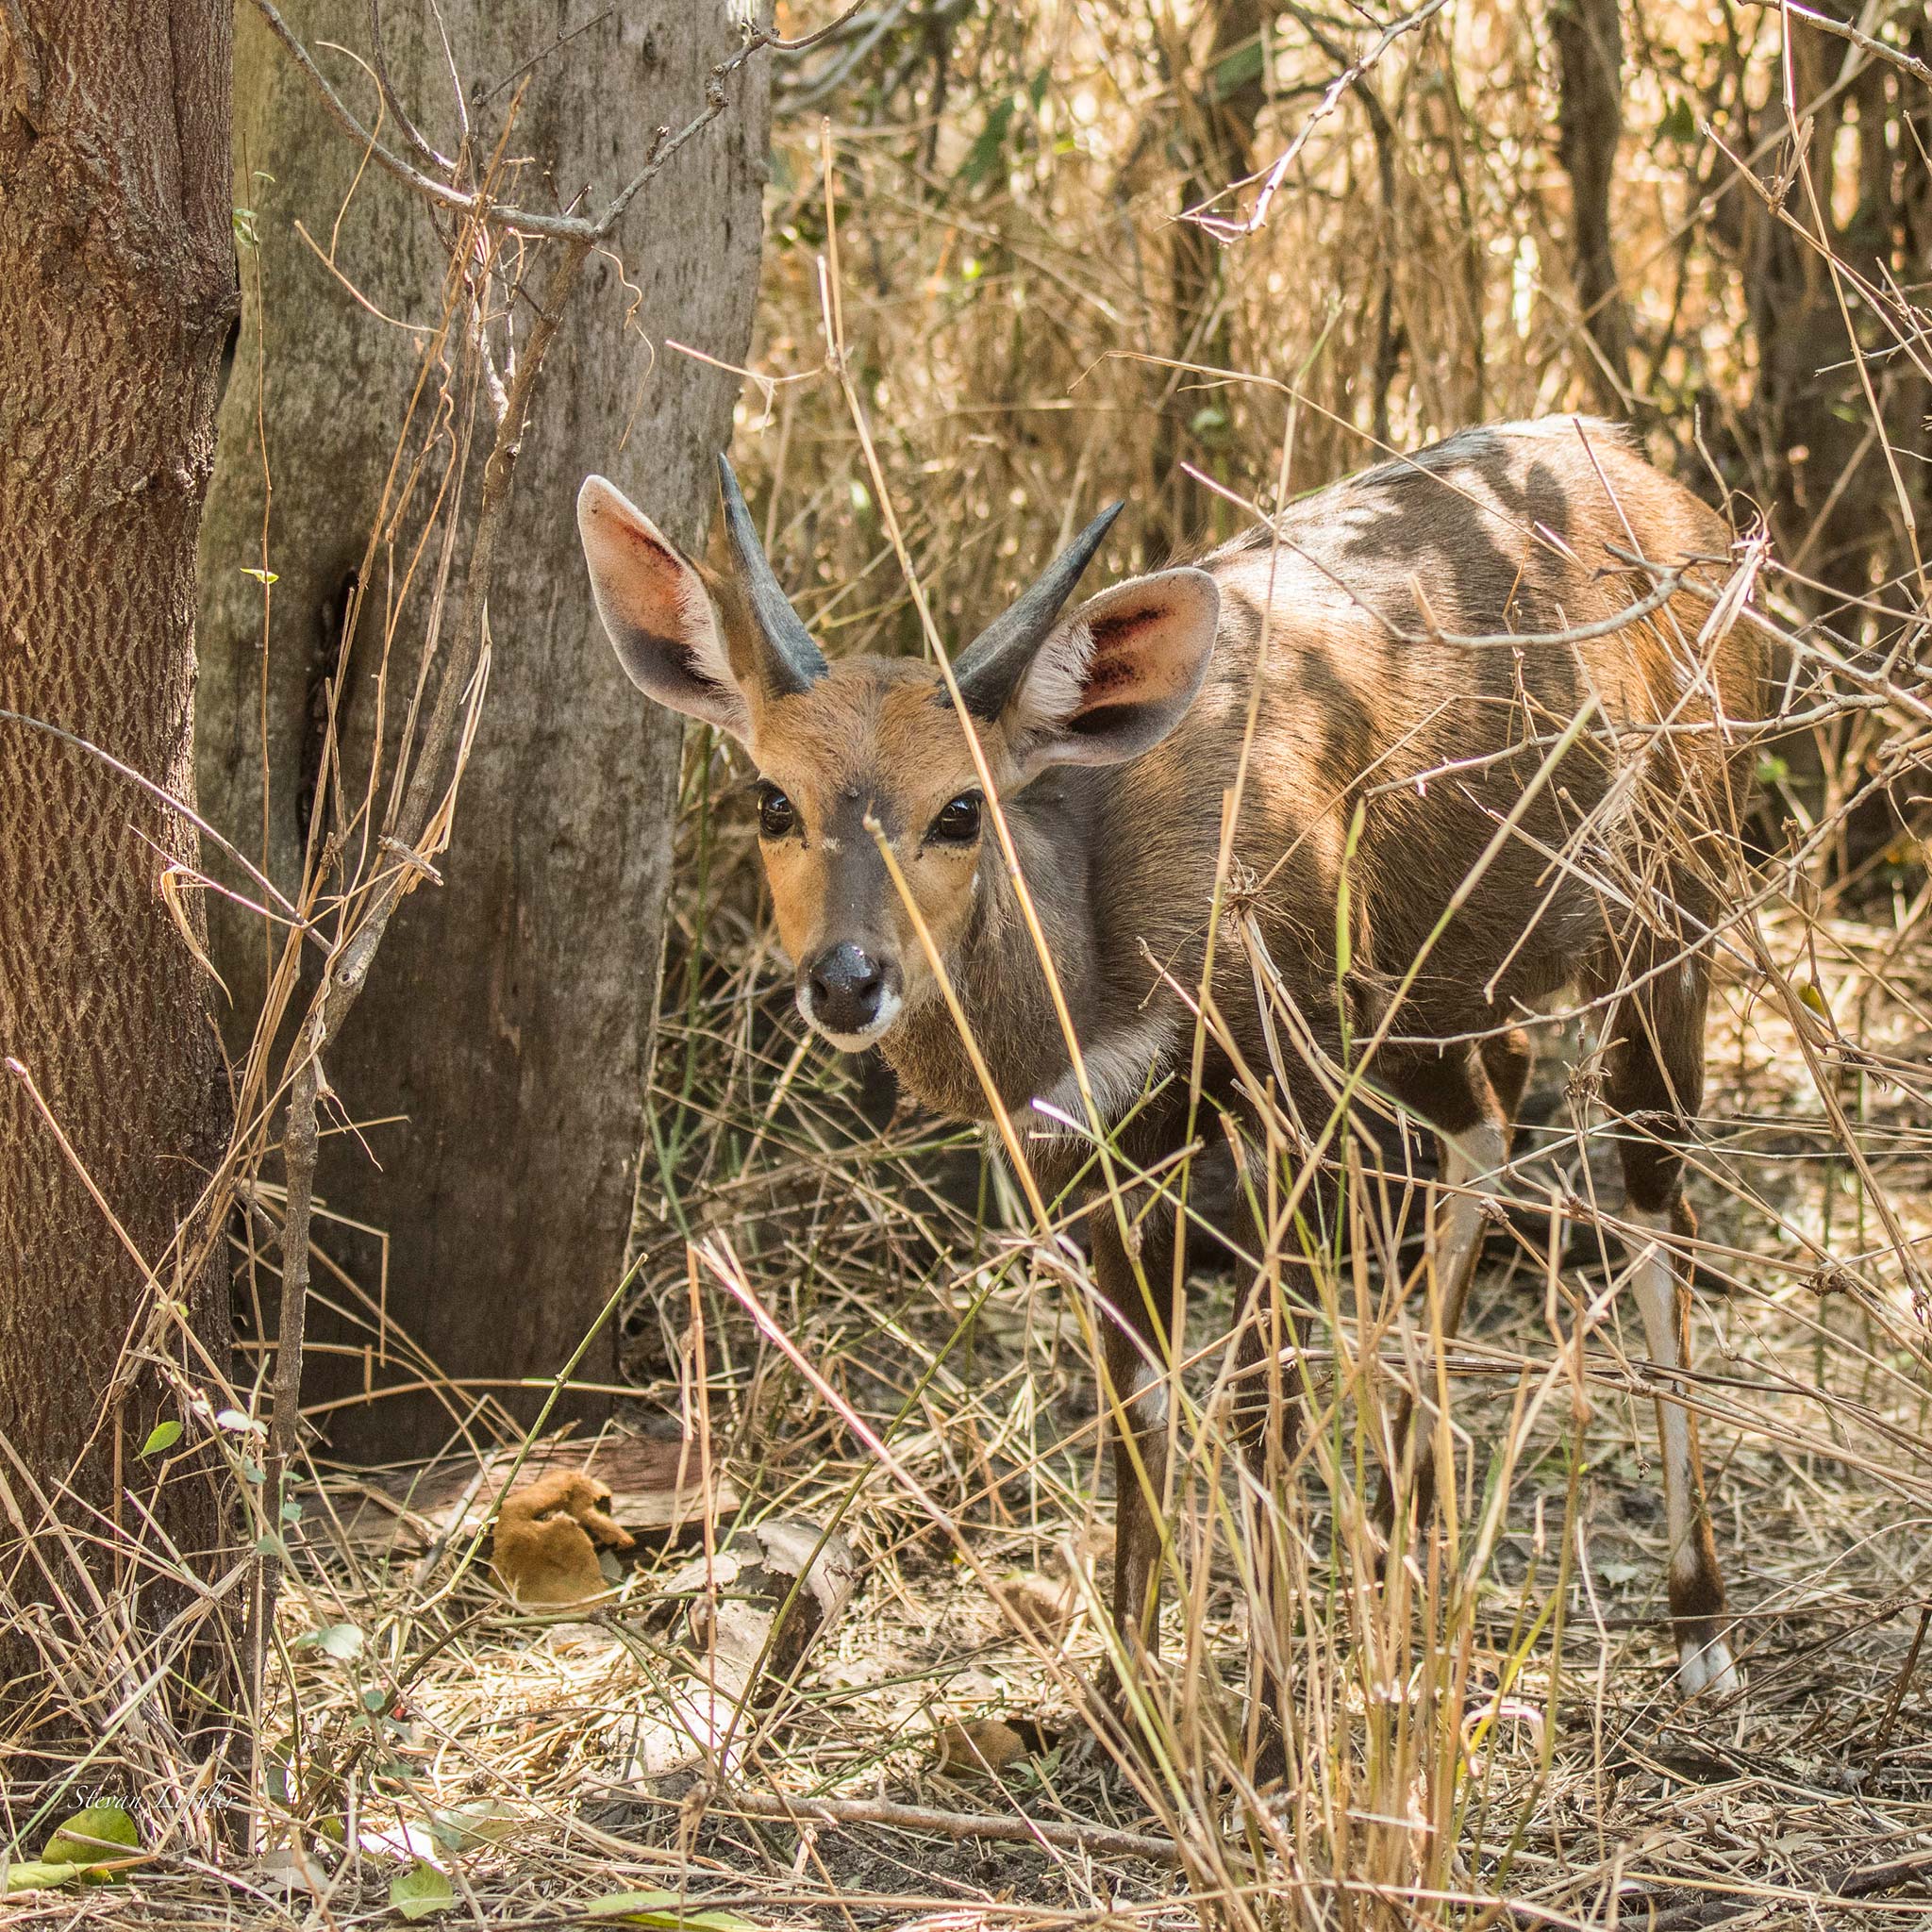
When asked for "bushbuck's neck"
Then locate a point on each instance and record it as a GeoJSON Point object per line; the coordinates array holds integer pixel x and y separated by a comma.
{"type": "Point", "coordinates": [996, 970]}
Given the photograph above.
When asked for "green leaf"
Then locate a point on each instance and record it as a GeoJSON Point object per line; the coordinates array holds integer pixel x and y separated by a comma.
{"type": "Point", "coordinates": [667, 1909]}
{"type": "Point", "coordinates": [1681, 124]}
{"type": "Point", "coordinates": [420, 1890]}
{"type": "Point", "coordinates": [467, 1826]}
{"type": "Point", "coordinates": [162, 1436]}
{"type": "Point", "coordinates": [340, 1640]}
{"type": "Point", "coordinates": [36, 1875]}
{"type": "Point", "coordinates": [292, 1511]}
{"type": "Point", "coordinates": [1235, 71]}
{"type": "Point", "coordinates": [82, 1840]}
{"type": "Point", "coordinates": [260, 577]}
{"type": "Point", "coordinates": [989, 150]}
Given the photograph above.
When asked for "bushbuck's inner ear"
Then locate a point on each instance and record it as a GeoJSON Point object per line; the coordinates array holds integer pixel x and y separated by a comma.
{"type": "Point", "coordinates": [1118, 675]}
{"type": "Point", "coordinates": [657, 611]}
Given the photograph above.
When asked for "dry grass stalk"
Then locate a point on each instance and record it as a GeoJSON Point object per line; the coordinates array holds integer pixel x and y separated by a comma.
{"type": "Point", "coordinates": [1484, 1726]}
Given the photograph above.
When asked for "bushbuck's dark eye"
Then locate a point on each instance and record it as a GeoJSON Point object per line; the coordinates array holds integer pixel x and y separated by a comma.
{"type": "Point", "coordinates": [778, 815]}
{"type": "Point", "coordinates": [959, 821]}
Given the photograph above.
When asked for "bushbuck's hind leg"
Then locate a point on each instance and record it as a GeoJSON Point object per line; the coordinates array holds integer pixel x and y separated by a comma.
{"type": "Point", "coordinates": [1655, 1082]}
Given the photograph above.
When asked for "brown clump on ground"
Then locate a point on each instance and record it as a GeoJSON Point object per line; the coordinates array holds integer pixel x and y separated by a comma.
{"type": "Point", "coordinates": [547, 1536]}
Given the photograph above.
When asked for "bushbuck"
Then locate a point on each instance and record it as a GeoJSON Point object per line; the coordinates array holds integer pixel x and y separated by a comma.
{"type": "Point", "coordinates": [1495, 682]}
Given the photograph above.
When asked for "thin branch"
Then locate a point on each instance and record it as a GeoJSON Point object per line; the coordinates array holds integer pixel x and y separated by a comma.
{"type": "Point", "coordinates": [1868, 43]}
{"type": "Point", "coordinates": [519, 221]}
{"type": "Point", "coordinates": [571, 228]}
{"type": "Point", "coordinates": [378, 60]}
{"type": "Point", "coordinates": [1225, 230]}
{"type": "Point", "coordinates": [161, 796]}
{"type": "Point", "coordinates": [665, 144]}
{"type": "Point", "coordinates": [1010, 1828]}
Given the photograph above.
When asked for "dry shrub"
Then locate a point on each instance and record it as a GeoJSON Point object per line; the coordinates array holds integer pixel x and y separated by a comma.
{"type": "Point", "coordinates": [979, 249]}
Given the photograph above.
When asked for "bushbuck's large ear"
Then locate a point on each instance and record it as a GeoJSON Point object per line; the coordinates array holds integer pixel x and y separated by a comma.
{"type": "Point", "coordinates": [657, 611]}
{"type": "Point", "coordinates": [1118, 675]}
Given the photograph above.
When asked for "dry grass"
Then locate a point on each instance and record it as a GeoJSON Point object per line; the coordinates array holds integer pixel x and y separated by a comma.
{"type": "Point", "coordinates": [1490, 1732]}
{"type": "Point", "coordinates": [1578, 1775]}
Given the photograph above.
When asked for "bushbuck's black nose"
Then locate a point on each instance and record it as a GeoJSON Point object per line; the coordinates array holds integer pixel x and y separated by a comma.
{"type": "Point", "coordinates": [846, 985]}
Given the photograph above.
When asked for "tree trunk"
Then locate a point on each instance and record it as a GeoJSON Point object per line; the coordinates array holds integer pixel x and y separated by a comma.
{"type": "Point", "coordinates": [1213, 145]}
{"type": "Point", "coordinates": [116, 291]}
{"type": "Point", "coordinates": [498, 1058]}
{"type": "Point", "coordinates": [1589, 125]}
{"type": "Point", "coordinates": [1833, 508]}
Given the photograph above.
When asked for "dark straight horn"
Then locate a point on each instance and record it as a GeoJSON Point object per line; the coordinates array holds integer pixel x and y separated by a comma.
{"type": "Point", "coordinates": [793, 663]}
{"type": "Point", "coordinates": [988, 671]}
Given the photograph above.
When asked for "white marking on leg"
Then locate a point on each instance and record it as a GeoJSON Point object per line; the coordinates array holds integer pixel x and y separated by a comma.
{"type": "Point", "coordinates": [1147, 1404]}
{"type": "Point", "coordinates": [1708, 1667]}
{"type": "Point", "coordinates": [1654, 1276]}
{"type": "Point", "coordinates": [1655, 1280]}
{"type": "Point", "coordinates": [1471, 1165]}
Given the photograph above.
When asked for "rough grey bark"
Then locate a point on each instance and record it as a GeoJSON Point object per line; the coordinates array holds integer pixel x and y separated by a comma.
{"type": "Point", "coordinates": [116, 290]}
{"type": "Point", "coordinates": [1588, 36]}
{"type": "Point", "coordinates": [1833, 509]}
{"type": "Point", "coordinates": [507, 1014]}
{"type": "Point", "coordinates": [1212, 144]}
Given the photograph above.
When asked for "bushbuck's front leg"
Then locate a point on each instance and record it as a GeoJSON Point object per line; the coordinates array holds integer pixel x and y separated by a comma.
{"type": "Point", "coordinates": [1134, 1393]}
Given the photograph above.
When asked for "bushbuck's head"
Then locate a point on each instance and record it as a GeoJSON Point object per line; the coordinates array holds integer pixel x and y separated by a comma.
{"type": "Point", "coordinates": [872, 750]}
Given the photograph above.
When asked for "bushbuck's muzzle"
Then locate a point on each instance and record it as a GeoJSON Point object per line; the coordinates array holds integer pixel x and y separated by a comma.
{"type": "Point", "coordinates": [849, 994]}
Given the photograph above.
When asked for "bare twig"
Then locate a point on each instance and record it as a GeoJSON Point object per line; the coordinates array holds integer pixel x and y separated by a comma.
{"type": "Point", "coordinates": [1014, 1828]}
{"type": "Point", "coordinates": [1848, 30]}
{"type": "Point", "coordinates": [1270, 180]}
{"type": "Point", "coordinates": [571, 229]}
{"type": "Point", "coordinates": [378, 60]}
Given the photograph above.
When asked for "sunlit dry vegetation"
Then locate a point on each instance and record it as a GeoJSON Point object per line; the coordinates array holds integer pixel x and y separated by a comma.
{"type": "Point", "coordinates": [1205, 256]}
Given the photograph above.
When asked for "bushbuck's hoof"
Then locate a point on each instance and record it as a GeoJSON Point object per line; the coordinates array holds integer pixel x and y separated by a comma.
{"type": "Point", "coordinates": [1706, 1668]}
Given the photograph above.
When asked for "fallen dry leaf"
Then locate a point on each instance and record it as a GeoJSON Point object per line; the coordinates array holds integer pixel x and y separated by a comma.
{"type": "Point", "coordinates": [983, 1748]}
{"type": "Point", "coordinates": [547, 1536]}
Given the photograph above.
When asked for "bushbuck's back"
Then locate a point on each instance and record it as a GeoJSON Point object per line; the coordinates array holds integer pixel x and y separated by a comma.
{"type": "Point", "coordinates": [1366, 596]}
